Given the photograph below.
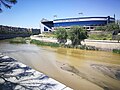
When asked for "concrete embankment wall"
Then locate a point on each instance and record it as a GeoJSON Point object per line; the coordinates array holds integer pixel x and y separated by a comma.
{"type": "Point", "coordinates": [17, 76]}
{"type": "Point", "coordinates": [8, 36]}
{"type": "Point", "coordinates": [104, 45]}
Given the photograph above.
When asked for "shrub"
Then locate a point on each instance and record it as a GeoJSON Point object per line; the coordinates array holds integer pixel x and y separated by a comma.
{"type": "Point", "coordinates": [76, 34]}
{"type": "Point", "coordinates": [116, 51]}
{"type": "Point", "coordinates": [41, 43]}
{"type": "Point", "coordinates": [100, 36]}
{"type": "Point", "coordinates": [61, 35]}
{"type": "Point", "coordinates": [17, 40]}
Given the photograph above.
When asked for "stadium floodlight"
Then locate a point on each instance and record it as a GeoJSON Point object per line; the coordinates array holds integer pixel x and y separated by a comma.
{"type": "Point", "coordinates": [55, 16]}
{"type": "Point", "coordinates": [80, 13]}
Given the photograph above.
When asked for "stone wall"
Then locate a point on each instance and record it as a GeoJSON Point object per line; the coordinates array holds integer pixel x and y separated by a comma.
{"type": "Point", "coordinates": [8, 36]}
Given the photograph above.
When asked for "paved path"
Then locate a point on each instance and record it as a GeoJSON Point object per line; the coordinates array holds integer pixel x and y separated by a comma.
{"type": "Point", "coordinates": [103, 44]}
{"type": "Point", "coordinates": [45, 39]}
{"type": "Point", "coordinates": [17, 76]}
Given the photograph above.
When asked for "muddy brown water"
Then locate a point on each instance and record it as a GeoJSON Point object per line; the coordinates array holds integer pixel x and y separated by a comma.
{"type": "Point", "coordinates": [78, 69]}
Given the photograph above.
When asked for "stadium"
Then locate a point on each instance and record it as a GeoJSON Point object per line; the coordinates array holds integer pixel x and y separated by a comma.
{"type": "Point", "coordinates": [89, 23]}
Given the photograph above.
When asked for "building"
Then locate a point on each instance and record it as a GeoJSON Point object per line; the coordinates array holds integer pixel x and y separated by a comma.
{"type": "Point", "coordinates": [35, 31]}
{"type": "Point", "coordinates": [88, 23]}
{"type": "Point", "coordinates": [46, 26]}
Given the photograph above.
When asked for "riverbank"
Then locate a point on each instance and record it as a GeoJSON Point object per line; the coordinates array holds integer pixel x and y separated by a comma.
{"type": "Point", "coordinates": [101, 45]}
{"type": "Point", "coordinates": [105, 45]}
{"type": "Point", "coordinates": [43, 43]}
{"type": "Point", "coordinates": [15, 75]}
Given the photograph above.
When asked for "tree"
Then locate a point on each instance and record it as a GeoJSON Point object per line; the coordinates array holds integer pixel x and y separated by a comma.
{"type": "Point", "coordinates": [118, 38]}
{"type": "Point", "coordinates": [76, 34]}
{"type": "Point", "coordinates": [116, 35]}
{"type": "Point", "coordinates": [112, 27]}
{"type": "Point", "coordinates": [108, 27]}
{"type": "Point", "coordinates": [7, 3]}
{"type": "Point", "coordinates": [118, 22]}
{"type": "Point", "coordinates": [61, 35]}
{"type": "Point", "coordinates": [100, 28]}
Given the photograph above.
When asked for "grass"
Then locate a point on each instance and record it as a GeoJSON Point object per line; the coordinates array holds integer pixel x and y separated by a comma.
{"type": "Point", "coordinates": [82, 47]}
{"type": "Point", "coordinates": [50, 34]}
{"type": "Point", "coordinates": [19, 40]}
{"type": "Point", "coordinates": [41, 43]}
{"type": "Point", "coordinates": [100, 36]}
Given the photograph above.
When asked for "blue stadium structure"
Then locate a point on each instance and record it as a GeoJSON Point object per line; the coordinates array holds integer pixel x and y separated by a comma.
{"type": "Point", "coordinates": [89, 23]}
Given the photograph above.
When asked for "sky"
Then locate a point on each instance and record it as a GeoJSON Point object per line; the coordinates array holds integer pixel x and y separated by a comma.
{"type": "Point", "coordinates": [29, 13]}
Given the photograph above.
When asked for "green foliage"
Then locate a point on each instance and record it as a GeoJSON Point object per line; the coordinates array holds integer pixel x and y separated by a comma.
{"type": "Point", "coordinates": [49, 34]}
{"type": "Point", "coordinates": [116, 37]}
{"type": "Point", "coordinates": [116, 51]}
{"type": "Point", "coordinates": [76, 34]}
{"type": "Point", "coordinates": [41, 43]}
{"type": "Point", "coordinates": [27, 38]}
{"type": "Point", "coordinates": [108, 27]}
{"type": "Point", "coordinates": [61, 35]}
{"type": "Point", "coordinates": [100, 36]}
{"type": "Point", "coordinates": [7, 3]}
{"type": "Point", "coordinates": [83, 47]}
{"type": "Point", "coordinates": [100, 28]}
{"type": "Point", "coordinates": [18, 40]}
{"type": "Point", "coordinates": [14, 32]}
{"type": "Point", "coordinates": [112, 26]}
{"type": "Point", "coordinates": [87, 47]}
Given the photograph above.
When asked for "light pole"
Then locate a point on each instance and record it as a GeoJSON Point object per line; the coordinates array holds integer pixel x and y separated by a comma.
{"type": "Point", "coordinates": [55, 16]}
{"type": "Point", "coordinates": [80, 13]}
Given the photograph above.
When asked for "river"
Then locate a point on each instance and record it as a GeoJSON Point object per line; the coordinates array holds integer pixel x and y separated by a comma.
{"type": "Point", "coordinates": [78, 69]}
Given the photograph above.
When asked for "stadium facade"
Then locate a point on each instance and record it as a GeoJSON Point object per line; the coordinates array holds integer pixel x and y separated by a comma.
{"type": "Point", "coordinates": [89, 23]}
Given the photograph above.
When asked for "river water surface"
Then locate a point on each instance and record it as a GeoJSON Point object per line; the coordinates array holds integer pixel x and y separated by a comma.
{"type": "Point", "coordinates": [78, 69]}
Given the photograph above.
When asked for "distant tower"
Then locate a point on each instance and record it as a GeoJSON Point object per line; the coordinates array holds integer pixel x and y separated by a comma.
{"type": "Point", "coordinates": [114, 16]}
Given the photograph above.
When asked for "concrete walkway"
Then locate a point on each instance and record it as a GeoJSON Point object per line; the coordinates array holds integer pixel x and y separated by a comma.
{"type": "Point", "coordinates": [45, 39]}
{"type": "Point", "coordinates": [103, 44]}
{"type": "Point", "coordinates": [17, 76]}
